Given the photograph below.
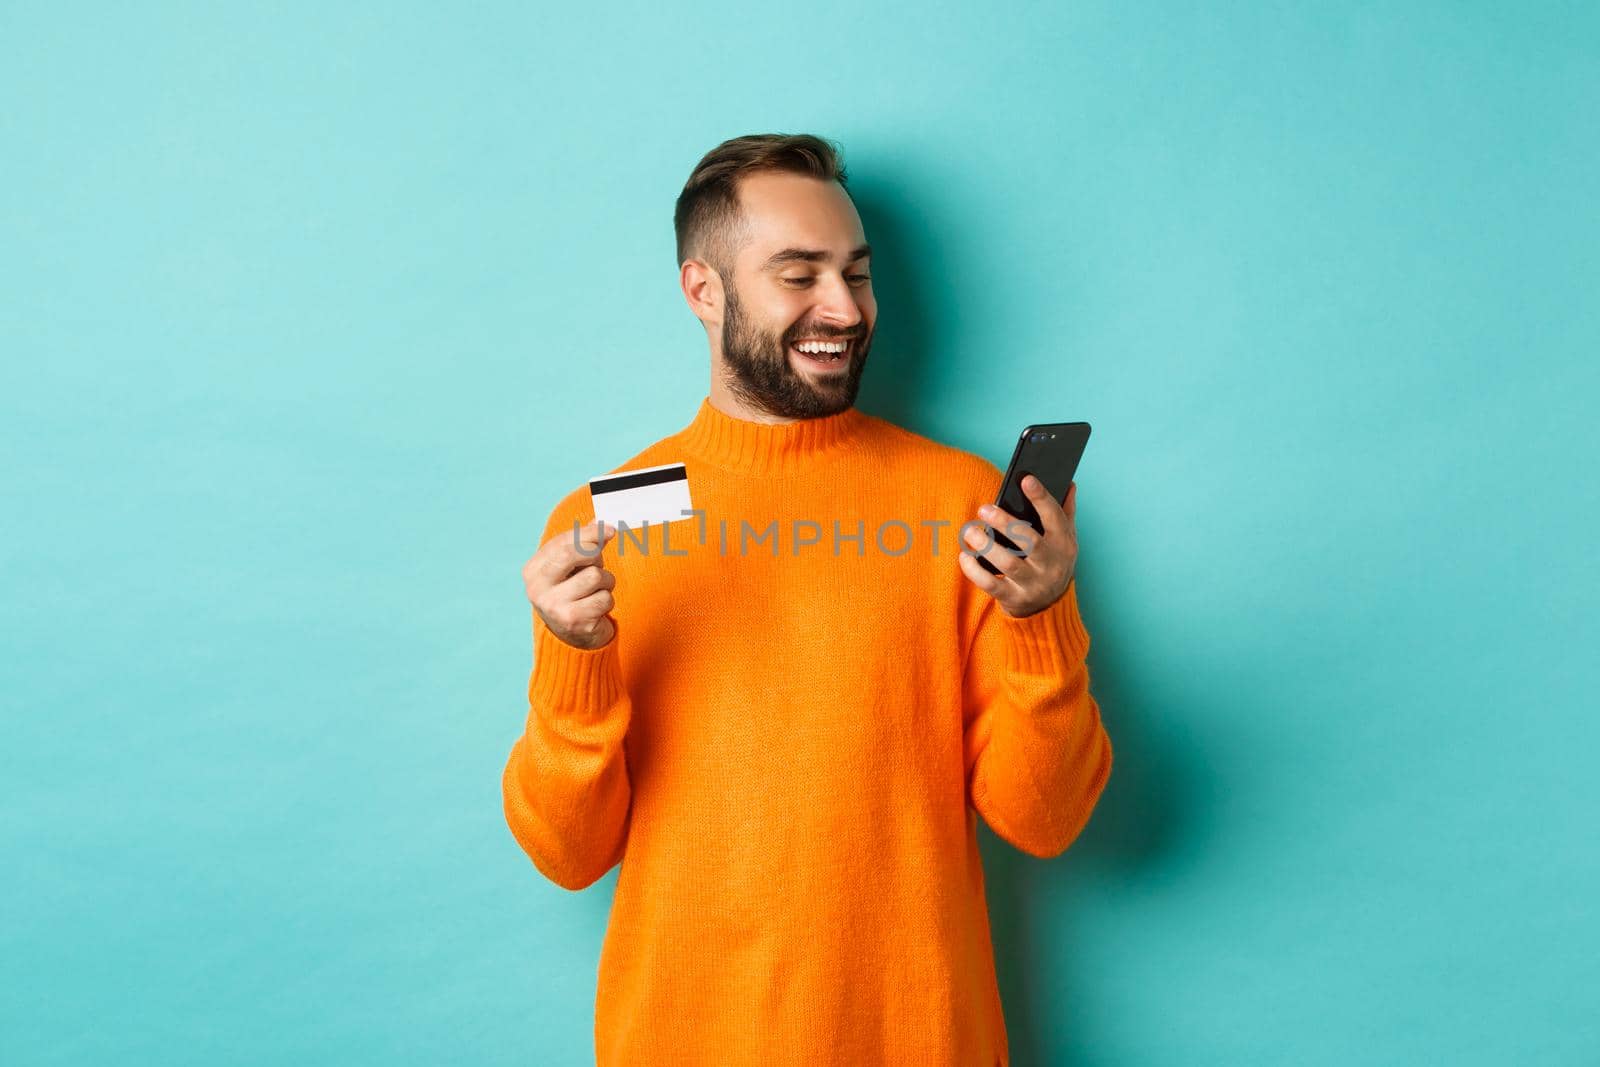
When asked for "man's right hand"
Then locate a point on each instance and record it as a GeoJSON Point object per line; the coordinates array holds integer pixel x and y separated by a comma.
{"type": "Point", "coordinates": [571, 591]}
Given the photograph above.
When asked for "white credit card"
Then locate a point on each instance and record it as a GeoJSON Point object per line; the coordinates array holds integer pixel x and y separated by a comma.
{"type": "Point", "coordinates": [653, 495]}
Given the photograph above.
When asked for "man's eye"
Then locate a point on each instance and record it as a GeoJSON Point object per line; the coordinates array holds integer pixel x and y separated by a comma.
{"type": "Point", "coordinates": [798, 281]}
{"type": "Point", "coordinates": [863, 277]}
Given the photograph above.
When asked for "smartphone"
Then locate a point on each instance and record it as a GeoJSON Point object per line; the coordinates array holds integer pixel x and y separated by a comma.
{"type": "Point", "coordinates": [1049, 451]}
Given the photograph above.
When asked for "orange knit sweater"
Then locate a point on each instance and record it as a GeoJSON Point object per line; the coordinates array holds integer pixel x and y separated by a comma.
{"type": "Point", "coordinates": [785, 748]}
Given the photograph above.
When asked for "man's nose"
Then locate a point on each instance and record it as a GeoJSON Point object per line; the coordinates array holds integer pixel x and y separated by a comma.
{"type": "Point", "coordinates": [839, 307]}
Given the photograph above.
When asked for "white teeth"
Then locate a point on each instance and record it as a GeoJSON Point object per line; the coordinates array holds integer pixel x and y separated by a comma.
{"type": "Point", "coordinates": [818, 347]}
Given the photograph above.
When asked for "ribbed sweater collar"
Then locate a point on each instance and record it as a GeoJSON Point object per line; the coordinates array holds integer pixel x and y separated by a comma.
{"type": "Point", "coordinates": [741, 445]}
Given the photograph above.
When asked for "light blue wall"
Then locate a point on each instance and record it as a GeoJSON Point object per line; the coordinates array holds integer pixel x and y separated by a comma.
{"type": "Point", "coordinates": [308, 318]}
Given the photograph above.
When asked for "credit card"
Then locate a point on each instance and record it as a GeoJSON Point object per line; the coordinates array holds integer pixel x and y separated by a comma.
{"type": "Point", "coordinates": [651, 494]}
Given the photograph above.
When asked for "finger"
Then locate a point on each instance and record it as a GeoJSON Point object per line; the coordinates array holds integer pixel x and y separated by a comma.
{"type": "Point", "coordinates": [591, 539]}
{"type": "Point", "coordinates": [580, 582]}
{"type": "Point", "coordinates": [596, 603]}
{"type": "Point", "coordinates": [983, 544]}
{"type": "Point", "coordinates": [1018, 530]}
{"type": "Point", "coordinates": [1027, 540]}
{"type": "Point", "coordinates": [578, 547]}
{"type": "Point", "coordinates": [1051, 516]}
{"type": "Point", "coordinates": [992, 584]}
{"type": "Point", "coordinates": [999, 517]}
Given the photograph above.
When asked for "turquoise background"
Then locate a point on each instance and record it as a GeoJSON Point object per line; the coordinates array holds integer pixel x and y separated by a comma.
{"type": "Point", "coordinates": [309, 316]}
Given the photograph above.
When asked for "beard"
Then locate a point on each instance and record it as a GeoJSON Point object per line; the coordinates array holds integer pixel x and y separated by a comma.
{"type": "Point", "coordinates": [761, 374]}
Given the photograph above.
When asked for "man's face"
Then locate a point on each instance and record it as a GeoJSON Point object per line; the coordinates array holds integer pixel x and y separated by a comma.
{"type": "Point", "coordinates": [801, 275]}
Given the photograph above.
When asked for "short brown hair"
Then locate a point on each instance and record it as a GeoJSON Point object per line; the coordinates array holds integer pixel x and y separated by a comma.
{"type": "Point", "coordinates": [707, 214]}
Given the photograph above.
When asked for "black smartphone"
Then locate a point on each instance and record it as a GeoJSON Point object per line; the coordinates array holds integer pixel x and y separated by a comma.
{"type": "Point", "coordinates": [1049, 451]}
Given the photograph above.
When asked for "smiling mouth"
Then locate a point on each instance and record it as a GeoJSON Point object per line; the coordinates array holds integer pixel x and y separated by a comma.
{"type": "Point", "coordinates": [828, 359]}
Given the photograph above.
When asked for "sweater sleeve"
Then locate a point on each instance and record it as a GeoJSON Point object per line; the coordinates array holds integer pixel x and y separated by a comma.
{"type": "Point", "coordinates": [1037, 756]}
{"type": "Point", "coordinates": [565, 788]}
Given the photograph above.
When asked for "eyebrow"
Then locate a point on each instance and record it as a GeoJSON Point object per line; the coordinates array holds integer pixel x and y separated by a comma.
{"type": "Point", "coordinates": [809, 255]}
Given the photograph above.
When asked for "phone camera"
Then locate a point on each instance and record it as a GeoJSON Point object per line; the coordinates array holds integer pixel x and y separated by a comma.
{"type": "Point", "coordinates": [1038, 437]}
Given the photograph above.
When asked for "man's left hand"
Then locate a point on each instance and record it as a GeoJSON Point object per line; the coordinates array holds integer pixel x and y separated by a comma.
{"type": "Point", "coordinates": [1031, 582]}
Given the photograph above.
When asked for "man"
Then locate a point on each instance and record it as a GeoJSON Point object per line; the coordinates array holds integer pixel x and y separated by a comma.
{"type": "Point", "coordinates": [786, 745]}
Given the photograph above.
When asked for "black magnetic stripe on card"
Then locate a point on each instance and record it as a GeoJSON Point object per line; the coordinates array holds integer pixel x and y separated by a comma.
{"type": "Point", "coordinates": [634, 481]}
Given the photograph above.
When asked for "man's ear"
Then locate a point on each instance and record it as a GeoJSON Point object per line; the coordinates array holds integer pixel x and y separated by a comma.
{"type": "Point", "coordinates": [702, 288]}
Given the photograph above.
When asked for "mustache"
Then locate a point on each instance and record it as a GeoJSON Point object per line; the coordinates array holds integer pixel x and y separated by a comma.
{"type": "Point", "coordinates": [849, 335]}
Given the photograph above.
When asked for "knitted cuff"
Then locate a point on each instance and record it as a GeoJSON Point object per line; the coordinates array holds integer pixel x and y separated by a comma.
{"type": "Point", "coordinates": [1037, 643]}
{"type": "Point", "coordinates": [568, 680]}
